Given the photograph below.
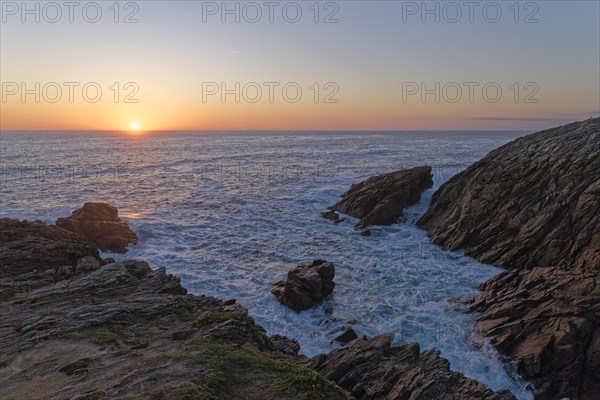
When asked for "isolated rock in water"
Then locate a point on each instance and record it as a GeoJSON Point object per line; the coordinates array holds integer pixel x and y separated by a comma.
{"type": "Point", "coordinates": [373, 369]}
{"type": "Point", "coordinates": [380, 200]}
{"type": "Point", "coordinates": [547, 320]}
{"type": "Point", "coordinates": [101, 225]}
{"type": "Point", "coordinates": [533, 205]}
{"type": "Point", "coordinates": [306, 285]}
{"type": "Point", "coordinates": [533, 202]}
{"type": "Point", "coordinates": [27, 246]}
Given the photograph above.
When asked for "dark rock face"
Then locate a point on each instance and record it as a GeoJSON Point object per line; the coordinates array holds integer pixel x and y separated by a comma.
{"type": "Point", "coordinates": [27, 246]}
{"type": "Point", "coordinates": [306, 285]}
{"type": "Point", "coordinates": [547, 320]}
{"type": "Point", "coordinates": [380, 200]}
{"type": "Point", "coordinates": [533, 205]}
{"type": "Point", "coordinates": [373, 369]}
{"type": "Point", "coordinates": [101, 225]}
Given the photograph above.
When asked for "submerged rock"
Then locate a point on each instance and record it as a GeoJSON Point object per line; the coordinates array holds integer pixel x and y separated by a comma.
{"type": "Point", "coordinates": [101, 225]}
{"type": "Point", "coordinates": [373, 369]}
{"type": "Point", "coordinates": [381, 200]}
{"type": "Point", "coordinates": [332, 216]}
{"type": "Point", "coordinates": [533, 205]}
{"type": "Point", "coordinates": [306, 285]}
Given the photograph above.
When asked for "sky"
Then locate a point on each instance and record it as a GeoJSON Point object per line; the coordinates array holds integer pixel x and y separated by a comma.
{"type": "Point", "coordinates": [304, 65]}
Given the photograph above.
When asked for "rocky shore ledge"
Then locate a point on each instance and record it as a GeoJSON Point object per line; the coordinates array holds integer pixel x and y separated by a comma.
{"type": "Point", "coordinates": [533, 207]}
{"type": "Point", "coordinates": [75, 326]}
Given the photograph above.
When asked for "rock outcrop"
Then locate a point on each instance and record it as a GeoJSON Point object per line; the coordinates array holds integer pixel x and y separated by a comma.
{"type": "Point", "coordinates": [122, 330]}
{"type": "Point", "coordinates": [284, 344]}
{"type": "Point", "coordinates": [306, 285]}
{"type": "Point", "coordinates": [27, 246]}
{"type": "Point", "coordinates": [533, 206]}
{"type": "Point", "coordinates": [101, 225]}
{"type": "Point", "coordinates": [373, 369]}
{"type": "Point", "coordinates": [126, 331]}
{"type": "Point", "coordinates": [547, 320]}
{"type": "Point", "coordinates": [531, 203]}
{"type": "Point", "coordinates": [381, 200]}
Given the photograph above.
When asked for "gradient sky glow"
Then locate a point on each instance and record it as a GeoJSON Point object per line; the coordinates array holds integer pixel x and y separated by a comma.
{"type": "Point", "coordinates": [374, 50]}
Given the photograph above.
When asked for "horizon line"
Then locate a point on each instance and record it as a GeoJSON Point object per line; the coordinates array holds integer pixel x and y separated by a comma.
{"type": "Point", "coordinates": [141, 131]}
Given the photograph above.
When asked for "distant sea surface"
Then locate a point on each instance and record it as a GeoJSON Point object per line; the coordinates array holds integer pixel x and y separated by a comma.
{"type": "Point", "coordinates": [231, 212]}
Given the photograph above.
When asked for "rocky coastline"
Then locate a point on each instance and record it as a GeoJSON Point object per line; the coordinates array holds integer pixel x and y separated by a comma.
{"type": "Point", "coordinates": [76, 326]}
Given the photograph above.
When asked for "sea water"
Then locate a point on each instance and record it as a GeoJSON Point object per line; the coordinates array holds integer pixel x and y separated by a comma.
{"type": "Point", "coordinates": [232, 212]}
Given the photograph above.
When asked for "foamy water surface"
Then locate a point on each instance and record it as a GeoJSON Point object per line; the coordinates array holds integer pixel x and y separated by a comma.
{"type": "Point", "coordinates": [230, 213]}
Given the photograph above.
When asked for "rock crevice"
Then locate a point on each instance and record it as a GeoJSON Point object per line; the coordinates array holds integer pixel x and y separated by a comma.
{"type": "Point", "coordinates": [533, 206]}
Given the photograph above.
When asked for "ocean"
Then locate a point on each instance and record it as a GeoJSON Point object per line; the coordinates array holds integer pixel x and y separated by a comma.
{"type": "Point", "coordinates": [232, 212]}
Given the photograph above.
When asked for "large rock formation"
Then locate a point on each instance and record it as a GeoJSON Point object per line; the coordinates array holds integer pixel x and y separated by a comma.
{"type": "Point", "coordinates": [533, 205]}
{"type": "Point", "coordinates": [306, 285]}
{"type": "Point", "coordinates": [101, 225]}
{"type": "Point", "coordinates": [380, 200]}
{"type": "Point", "coordinates": [126, 331]}
{"type": "Point", "coordinates": [373, 369]}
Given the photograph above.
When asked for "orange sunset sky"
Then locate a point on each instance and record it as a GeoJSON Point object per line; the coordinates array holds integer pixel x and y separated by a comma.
{"type": "Point", "coordinates": [370, 64]}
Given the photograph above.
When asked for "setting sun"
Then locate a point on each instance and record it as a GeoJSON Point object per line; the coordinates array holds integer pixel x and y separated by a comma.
{"type": "Point", "coordinates": [135, 126]}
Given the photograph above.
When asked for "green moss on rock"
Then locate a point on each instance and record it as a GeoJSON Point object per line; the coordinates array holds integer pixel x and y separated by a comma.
{"type": "Point", "coordinates": [181, 308]}
{"type": "Point", "coordinates": [216, 317]}
{"type": "Point", "coordinates": [102, 334]}
{"type": "Point", "coordinates": [246, 372]}
{"type": "Point", "coordinates": [299, 380]}
{"type": "Point", "coordinates": [187, 391]}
